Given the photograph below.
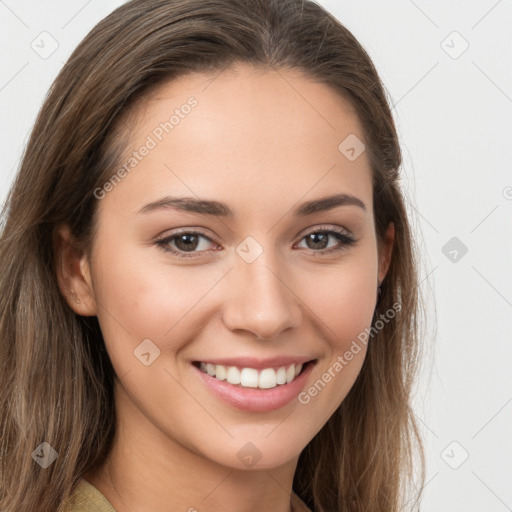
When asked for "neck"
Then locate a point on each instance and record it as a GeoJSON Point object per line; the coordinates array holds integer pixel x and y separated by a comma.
{"type": "Point", "coordinates": [146, 470]}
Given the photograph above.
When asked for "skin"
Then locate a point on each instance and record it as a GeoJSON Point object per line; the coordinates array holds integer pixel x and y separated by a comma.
{"type": "Point", "coordinates": [263, 142]}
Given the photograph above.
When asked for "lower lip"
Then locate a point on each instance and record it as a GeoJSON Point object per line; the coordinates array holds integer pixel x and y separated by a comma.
{"type": "Point", "coordinates": [256, 399]}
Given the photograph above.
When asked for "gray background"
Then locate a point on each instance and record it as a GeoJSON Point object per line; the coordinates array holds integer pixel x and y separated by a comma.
{"type": "Point", "coordinates": [453, 107]}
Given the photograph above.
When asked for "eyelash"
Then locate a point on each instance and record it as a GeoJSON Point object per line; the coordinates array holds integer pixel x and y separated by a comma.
{"type": "Point", "coordinates": [341, 235]}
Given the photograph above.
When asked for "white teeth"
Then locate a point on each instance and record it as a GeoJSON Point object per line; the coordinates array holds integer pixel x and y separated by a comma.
{"type": "Point", "coordinates": [281, 375]}
{"type": "Point", "coordinates": [233, 375]}
{"type": "Point", "coordinates": [290, 373]}
{"type": "Point", "coordinates": [267, 378]}
{"type": "Point", "coordinates": [220, 372]}
{"type": "Point", "coordinates": [210, 369]}
{"type": "Point", "coordinates": [251, 378]}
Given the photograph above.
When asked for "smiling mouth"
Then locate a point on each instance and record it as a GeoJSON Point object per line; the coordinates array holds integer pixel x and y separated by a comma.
{"type": "Point", "coordinates": [266, 378]}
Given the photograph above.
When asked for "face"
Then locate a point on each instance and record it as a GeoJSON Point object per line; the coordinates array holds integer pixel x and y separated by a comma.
{"type": "Point", "coordinates": [253, 277]}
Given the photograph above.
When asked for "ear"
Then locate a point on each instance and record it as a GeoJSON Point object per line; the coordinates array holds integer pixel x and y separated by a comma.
{"type": "Point", "coordinates": [73, 273]}
{"type": "Point", "coordinates": [386, 251]}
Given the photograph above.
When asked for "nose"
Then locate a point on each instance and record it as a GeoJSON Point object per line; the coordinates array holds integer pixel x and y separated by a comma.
{"type": "Point", "coordinates": [261, 300]}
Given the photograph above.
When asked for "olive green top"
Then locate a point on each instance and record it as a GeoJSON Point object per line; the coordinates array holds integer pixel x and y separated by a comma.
{"type": "Point", "coordinates": [87, 498]}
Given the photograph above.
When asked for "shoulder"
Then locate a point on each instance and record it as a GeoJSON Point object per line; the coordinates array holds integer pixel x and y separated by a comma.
{"type": "Point", "coordinates": [86, 498]}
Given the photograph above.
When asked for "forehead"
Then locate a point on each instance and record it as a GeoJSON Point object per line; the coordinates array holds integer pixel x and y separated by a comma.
{"type": "Point", "coordinates": [249, 134]}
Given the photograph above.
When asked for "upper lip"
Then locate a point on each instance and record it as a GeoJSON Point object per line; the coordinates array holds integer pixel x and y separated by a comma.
{"type": "Point", "coordinates": [256, 363]}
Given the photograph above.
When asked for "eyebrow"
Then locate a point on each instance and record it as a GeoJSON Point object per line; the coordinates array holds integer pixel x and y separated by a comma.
{"type": "Point", "coordinates": [218, 209]}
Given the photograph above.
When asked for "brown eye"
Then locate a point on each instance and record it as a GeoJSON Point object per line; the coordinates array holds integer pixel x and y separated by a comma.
{"type": "Point", "coordinates": [185, 244]}
{"type": "Point", "coordinates": [318, 241]}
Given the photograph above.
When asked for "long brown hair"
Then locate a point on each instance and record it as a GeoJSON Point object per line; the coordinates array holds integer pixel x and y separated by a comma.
{"type": "Point", "coordinates": [56, 377]}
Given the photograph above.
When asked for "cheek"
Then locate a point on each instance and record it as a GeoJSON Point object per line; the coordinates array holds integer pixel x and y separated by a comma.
{"type": "Point", "coordinates": [343, 300]}
{"type": "Point", "coordinates": [141, 299]}
{"type": "Point", "coordinates": [343, 303]}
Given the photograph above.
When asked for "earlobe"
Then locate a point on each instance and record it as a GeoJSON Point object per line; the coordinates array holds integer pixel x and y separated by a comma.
{"type": "Point", "coordinates": [73, 275]}
{"type": "Point", "coordinates": [387, 251]}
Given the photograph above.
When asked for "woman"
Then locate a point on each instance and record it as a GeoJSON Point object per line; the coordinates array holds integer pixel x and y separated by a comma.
{"type": "Point", "coordinates": [208, 287]}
